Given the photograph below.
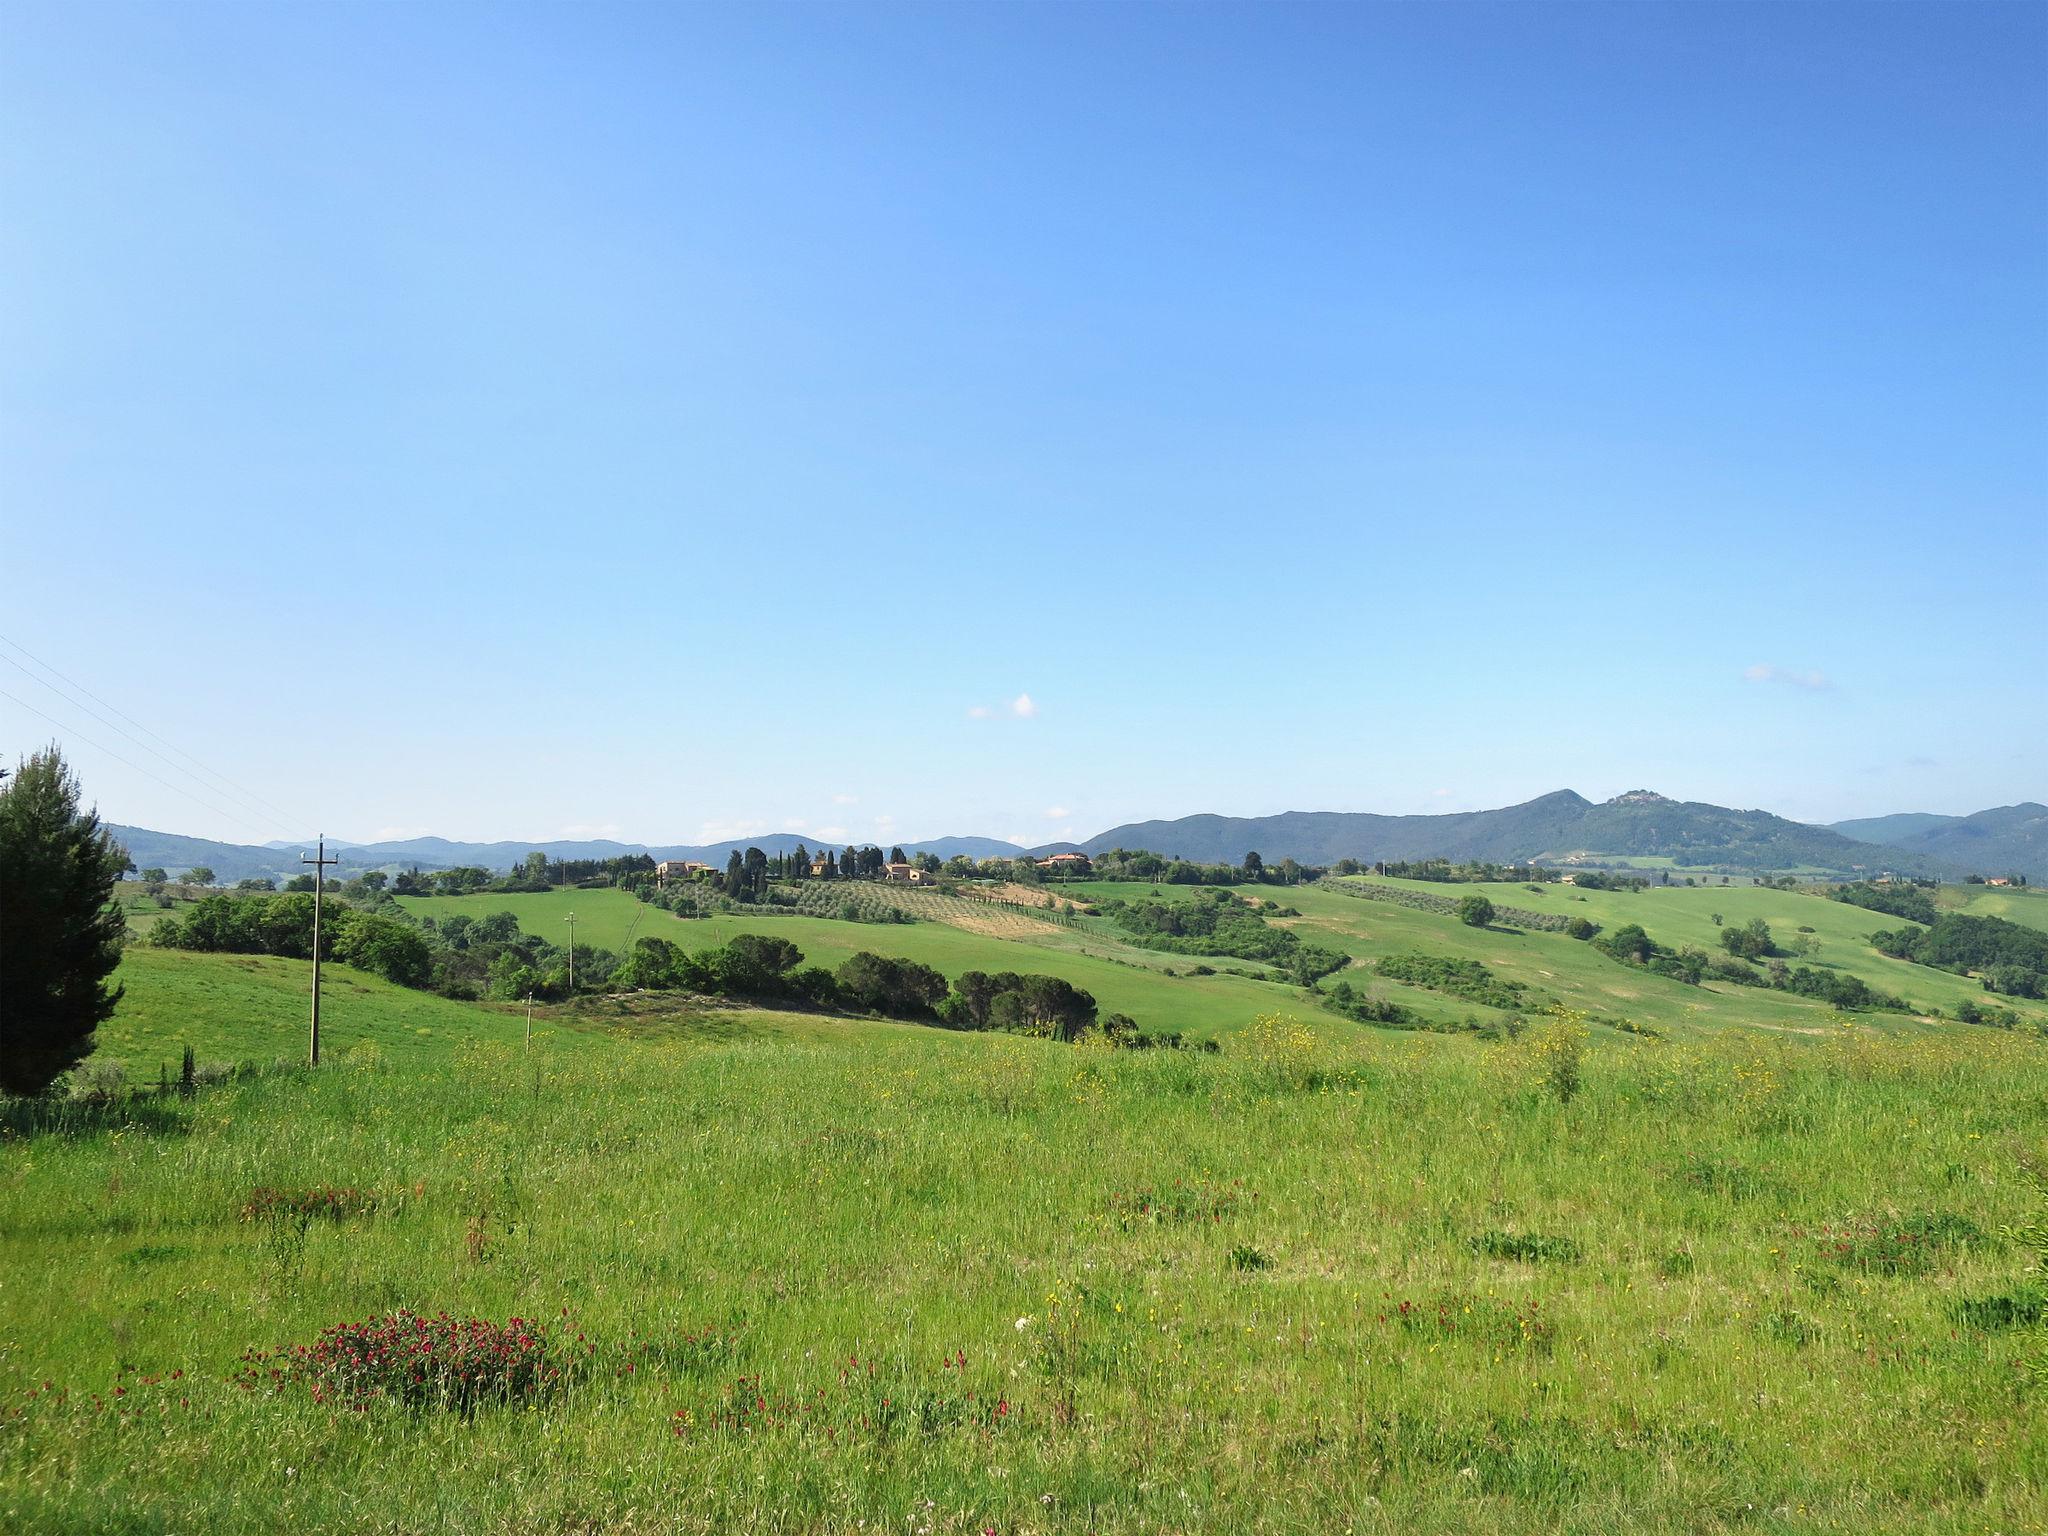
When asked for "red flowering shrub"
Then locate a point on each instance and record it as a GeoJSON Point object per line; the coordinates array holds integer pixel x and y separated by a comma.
{"type": "Point", "coordinates": [443, 1362]}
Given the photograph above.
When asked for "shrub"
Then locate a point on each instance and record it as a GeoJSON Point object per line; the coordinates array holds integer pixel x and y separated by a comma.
{"type": "Point", "coordinates": [1246, 1259]}
{"type": "Point", "coordinates": [1468, 979]}
{"type": "Point", "coordinates": [1752, 941]}
{"type": "Point", "coordinates": [440, 1362]}
{"type": "Point", "coordinates": [897, 989]}
{"type": "Point", "coordinates": [1629, 943]}
{"type": "Point", "coordinates": [1893, 900]}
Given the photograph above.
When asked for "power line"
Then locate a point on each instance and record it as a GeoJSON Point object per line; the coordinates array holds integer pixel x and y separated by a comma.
{"type": "Point", "coordinates": [146, 773]}
{"type": "Point", "coordinates": [248, 797]}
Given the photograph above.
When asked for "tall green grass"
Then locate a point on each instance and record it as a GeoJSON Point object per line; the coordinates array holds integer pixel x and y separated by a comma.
{"type": "Point", "coordinates": [1314, 1283]}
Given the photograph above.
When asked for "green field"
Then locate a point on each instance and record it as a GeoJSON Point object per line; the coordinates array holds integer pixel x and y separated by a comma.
{"type": "Point", "coordinates": [1579, 976]}
{"type": "Point", "coordinates": [1556, 969]}
{"type": "Point", "coordinates": [1331, 1278]}
{"type": "Point", "coordinates": [2028, 906]}
{"type": "Point", "coordinates": [235, 1008]}
{"type": "Point", "coordinates": [1136, 984]}
{"type": "Point", "coordinates": [1272, 1290]}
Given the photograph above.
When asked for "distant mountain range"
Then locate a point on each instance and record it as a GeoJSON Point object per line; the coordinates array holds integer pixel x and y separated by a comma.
{"type": "Point", "coordinates": [234, 861]}
{"type": "Point", "coordinates": [2006, 840]}
{"type": "Point", "coordinates": [1554, 828]}
{"type": "Point", "coordinates": [1551, 829]}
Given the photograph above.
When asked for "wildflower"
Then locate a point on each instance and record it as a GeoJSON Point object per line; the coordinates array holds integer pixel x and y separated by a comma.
{"type": "Point", "coordinates": [1024, 1322]}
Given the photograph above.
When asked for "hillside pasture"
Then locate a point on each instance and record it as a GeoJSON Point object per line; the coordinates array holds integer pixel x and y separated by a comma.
{"type": "Point", "coordinates": [236, 1008]}
{"type": "Point", "coordinates": [858, 1276]}
{"type": "Point", "coordinates": [1198, 1006]}
{"type": "Point", "coordinates": [1673, 916]}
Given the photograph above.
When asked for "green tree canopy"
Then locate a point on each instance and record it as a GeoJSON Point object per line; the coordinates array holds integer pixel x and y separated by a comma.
{"type": "Point", "coordinates": [60, 934]}
{"type": "Point", "coordinates": [1475, 911]}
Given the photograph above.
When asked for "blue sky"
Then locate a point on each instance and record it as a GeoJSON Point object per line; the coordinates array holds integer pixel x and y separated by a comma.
{"type": "Point", "coordinates": [677, 423]}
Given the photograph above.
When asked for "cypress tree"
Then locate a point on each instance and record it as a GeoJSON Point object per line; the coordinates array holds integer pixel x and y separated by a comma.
{"type": "Point", "coordinates": [60, 932]}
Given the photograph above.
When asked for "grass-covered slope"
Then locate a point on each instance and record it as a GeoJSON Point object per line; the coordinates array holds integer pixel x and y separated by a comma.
{"type": "Point", "coordinates": [256, 1008]}
{"type": "Point", "coordinates": [1122, 979]}
{"type": "Point", "coordinates": [886, 1278]}
{"type": "Point", "coordinates": [1551, 967]}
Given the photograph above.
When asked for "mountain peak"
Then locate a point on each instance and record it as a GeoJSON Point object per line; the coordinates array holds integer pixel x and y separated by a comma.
{"type": "Point", "coordinates": [1642, 797]}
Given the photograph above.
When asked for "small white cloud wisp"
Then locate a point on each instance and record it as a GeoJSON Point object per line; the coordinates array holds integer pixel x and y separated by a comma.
{"type": "Point", "coordinates": [1022, 707]}
{"type": "Point", "coordinates": [1808, 678]}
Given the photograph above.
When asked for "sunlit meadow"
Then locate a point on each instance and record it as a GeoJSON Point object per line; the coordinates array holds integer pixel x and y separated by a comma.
{"type": "Point", "coordinates": [871, 1277]}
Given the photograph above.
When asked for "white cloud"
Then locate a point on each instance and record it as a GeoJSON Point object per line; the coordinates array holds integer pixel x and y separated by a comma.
{"type": "Point", "coordinates": [794, 824]}
{"type": "Point", "coordinates": [398, 834]}
{"type": "Point", "coordinates": [1440, 794]}
{"type": "Point", "coordinates": [832, 834]}
{"type": "Point", "coordinates": [584, 830]}
{"type": "Point", "coordinates": [1792, 677]}
{"type": "Point", "coordinates": [1057, 813]}
{"type": "Point", "coordinates": [1022, 707]}
{"type": "Point", "coordinates": [846, 799]}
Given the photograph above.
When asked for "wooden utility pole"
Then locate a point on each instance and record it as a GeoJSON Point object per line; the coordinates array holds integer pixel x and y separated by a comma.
{"type": "Point", "coordinates": [571, 920]}
{"type": "Point", "coordinates": [319, 863]}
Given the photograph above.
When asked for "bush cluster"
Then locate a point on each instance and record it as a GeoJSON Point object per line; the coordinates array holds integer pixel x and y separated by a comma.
{"type": "Point", "coordinates": [283, 925]}
{"type": "Point", "coordinates": [440, 1362]}
{"type": "Point", "coordinates": [1220, 923]}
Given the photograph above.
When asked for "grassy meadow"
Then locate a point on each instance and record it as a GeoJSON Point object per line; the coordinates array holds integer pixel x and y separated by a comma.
{"type": "Point", "coordinates": [806, 1274]}
{"type": "Point", "coordinates": [834, 1276]}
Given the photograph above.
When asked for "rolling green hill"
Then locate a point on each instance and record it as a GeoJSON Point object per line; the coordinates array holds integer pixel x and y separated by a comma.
{"type": "Point", "coordinates": [255, 1008]}
{"type": "Point", "coordinates": [1122, 979]}
{"type": "Point", "coordinates": [1553, 968]}
{"type": "Point", "coordinates": [866, 1277]}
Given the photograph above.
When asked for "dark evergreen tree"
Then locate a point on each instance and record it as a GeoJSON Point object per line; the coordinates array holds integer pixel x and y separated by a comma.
{"type": "Point", "coordinates": [849, 863]}
{"type": "Point", "coordinates": [60, 933]}
{"type": "Point", "coordinates": [735, 875]}
{"type": "Point", "coordinates": [896, 856]}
